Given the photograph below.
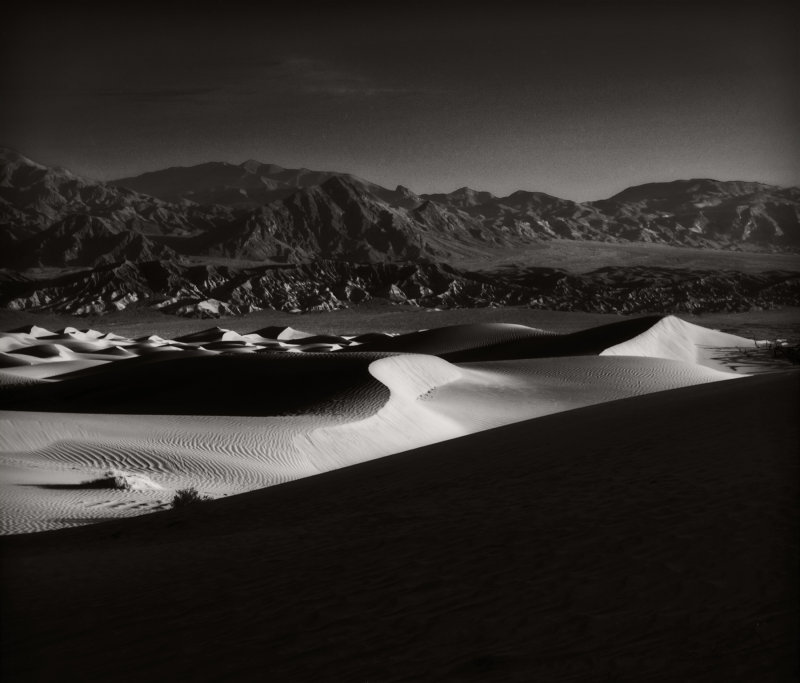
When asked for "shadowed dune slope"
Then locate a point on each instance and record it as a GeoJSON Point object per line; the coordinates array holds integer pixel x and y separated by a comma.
{"type": "Point", "coordinates": [253, 384]}
{"type": "Point", "coordinates": [651, 539]}
{"type": "Point", "coordinates": [484, 342]}
{"type": "Point", "coordinates": [441, 341]}
{"type": "Point", "coordinates": [8, 360]}
{"type": "Point", "coordinates": [585, 342]}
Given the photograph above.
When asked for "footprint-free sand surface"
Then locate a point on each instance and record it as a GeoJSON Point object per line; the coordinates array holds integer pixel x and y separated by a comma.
{"type": "Point", "coordinates": [481, 502]}
{"type": "Point", "coordinates": [652, 538]}
{"type": "Point", "coordinates": [225, 412]}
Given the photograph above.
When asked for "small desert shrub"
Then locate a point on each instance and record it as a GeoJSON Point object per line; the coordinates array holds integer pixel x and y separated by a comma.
{"type": "Point", "coordinates": [120, 481]}
{"type": "Point", "coordinates": [110, 480]}
{"type": "Point", "coordinates": [190, 496]}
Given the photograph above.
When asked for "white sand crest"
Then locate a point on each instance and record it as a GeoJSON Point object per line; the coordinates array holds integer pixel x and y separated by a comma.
{"type": "Point", "coordinates": [290, 333]}
{"type": "Point", "coordinates": [676, 339]}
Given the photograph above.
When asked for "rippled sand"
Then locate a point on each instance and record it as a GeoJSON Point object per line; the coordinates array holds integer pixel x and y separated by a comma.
{"type": "Point", "coordinates": [226, 413]}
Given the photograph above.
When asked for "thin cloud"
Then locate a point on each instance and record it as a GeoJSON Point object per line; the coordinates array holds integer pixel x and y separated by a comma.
{"type": "Point", "coordinates": [159, 95]}
{"type": "Point", "coordinates": [315, 77]}
{"type": "Point", "coordinates": [156, 95]}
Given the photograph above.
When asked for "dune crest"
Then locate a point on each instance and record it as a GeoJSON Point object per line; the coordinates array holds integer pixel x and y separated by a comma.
{"type": "Point", "coordinates": [454, 338]}
{"type": "Point", "coordinates": [677, 339]}
{"type": "Point", "coordinates": [414, 375]}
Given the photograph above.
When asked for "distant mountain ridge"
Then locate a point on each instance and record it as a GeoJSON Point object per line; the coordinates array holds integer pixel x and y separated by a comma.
{"type": "Point", "coordinates": [249, 184]}
{"type": "Point", "coordinates": [267, 213]}
{"type": "Point", "coordinates": [33, 197]}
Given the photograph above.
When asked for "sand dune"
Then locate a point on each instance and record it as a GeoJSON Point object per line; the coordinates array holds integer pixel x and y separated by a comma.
{"type": "Point", "coordinates": [10, 341]}
{"type": "Point", "coordinates": [118, 351]}
{"type": "Point", "coordinates": [495, 393]}
{"type": "Point", "coordinates": [584, 342]}
{"type": "Point", "coordinates": [676, 339]}
{"type": "Point", "coordinates": [33, 331]}
{"type": "Point", "coordinates": [9, 360]}
{"type": "Point", "coordinates": [433, 400]}
{"type": "Point", "coordinates": [46, 352]}
{"type": "Point", "coordinates": [227, 413]}
{"type": "Point", "coordinates": [187, 383]}
{"type": "Point", "coordinates": [219, 456]}
{"type": "Point", "coordinates": [653, 538]}
{"type": "Point", "coordinates": [214, 334]}
{"type": "Point", "coordinates": [53, 370]}
{"type": "Point", "coordinates": [452, 339]}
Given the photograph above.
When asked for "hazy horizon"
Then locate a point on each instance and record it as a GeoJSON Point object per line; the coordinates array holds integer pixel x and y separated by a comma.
{"type": "Point", "coordinates": [579, 101]}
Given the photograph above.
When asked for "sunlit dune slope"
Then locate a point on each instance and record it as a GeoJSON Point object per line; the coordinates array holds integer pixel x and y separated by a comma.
{"type": "Point", "coordinates": [677, 339]}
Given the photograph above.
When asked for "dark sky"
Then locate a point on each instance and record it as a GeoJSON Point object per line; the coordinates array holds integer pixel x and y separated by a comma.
{"type": "Point", "coordinates": [579, 100]}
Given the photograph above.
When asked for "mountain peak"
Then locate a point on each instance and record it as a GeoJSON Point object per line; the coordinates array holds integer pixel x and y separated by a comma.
{"type": "Point", "coordinates": [9, 156]}
{"type": "Point", "coordinates": [343, 182]}
{"type": "Point", "coordinates": [403, 191]}
{"type": "Point", "coordinates": [260, 168]}
{"type": "Point", "coordinates": [463, 198]}
{"type": "Point", "coordinates": [251, 166]}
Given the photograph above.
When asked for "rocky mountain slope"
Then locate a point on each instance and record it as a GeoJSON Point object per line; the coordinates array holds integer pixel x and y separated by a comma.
{"type": "Point", "coordinates": [212, 291]}
{"type": "Point", "coordinates": [340, 218]}
{"type": "Point", "coordinates": [262, 212]}
{"type": "Point", "coordinates": [694, 213]}
{"type": "Point", "coordinates": [34, 197]}
{"type": "Point", "coordinates": [699, 213]}
{"type": "Point", "coordinates": [726, 211]}
{"type": "Point", "coordinates": [80, 240]}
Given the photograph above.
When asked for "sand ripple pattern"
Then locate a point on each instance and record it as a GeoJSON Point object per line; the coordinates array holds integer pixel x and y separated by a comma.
{"type": "Point", "coordinates": [340, 408]}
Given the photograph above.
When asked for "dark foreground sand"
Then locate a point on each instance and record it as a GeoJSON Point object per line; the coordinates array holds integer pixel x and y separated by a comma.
{"type": "Point", "coordinates": [649, 539]}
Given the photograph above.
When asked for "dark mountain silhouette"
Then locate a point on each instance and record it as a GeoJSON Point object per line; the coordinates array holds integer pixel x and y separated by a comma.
{"type": "Point", "coordinates": [728, 212]}
{"type": "Point", "coordinates": [463, 198]}
{"type": "Point", "coordinates": [249, 184]}
{"type": "Point", "coordinates": [35, 197]}
{"type": "Point", "coordinates": [341, 218]}
{"type": "Point", "coordinates": [697, 213]}
{"type": "Point", "coordinates": [694, 191]}
{"type": "Point", "coordinates": [263, 212]}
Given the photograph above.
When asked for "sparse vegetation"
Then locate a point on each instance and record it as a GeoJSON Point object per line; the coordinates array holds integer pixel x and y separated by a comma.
{"type": "Point", "coordinates": [188, 496]}
{"type": "Point", "coordinates": [109, 480]}
{"type": "Point", "coordinates": [118, 480]}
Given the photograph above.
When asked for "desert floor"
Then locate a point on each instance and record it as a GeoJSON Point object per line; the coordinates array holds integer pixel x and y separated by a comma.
{"type": "Point", "coordinates": [597, 499]}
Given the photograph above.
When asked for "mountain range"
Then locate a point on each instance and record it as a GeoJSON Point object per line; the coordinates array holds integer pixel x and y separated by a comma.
{"type": "Point", "coordinates": [269, 214]}
{"type": "Point", "coordinates": [222, 239]}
